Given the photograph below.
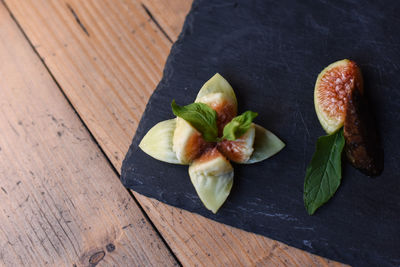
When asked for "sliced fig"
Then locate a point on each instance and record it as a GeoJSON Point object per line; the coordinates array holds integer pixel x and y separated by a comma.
{"type": "Point", "coordinates": [266, 144]}
{"type": "Point", "coordinates": [362, 147]}
{"type": "Point", "coordinates": [219, 95]}
{"type": "Point", "coordinates": [333, 86]}
{"type": "Point", "coordinates": [241, 149]}
{"type": "Point", "coordinates": [187, 142]}
{"type": "Point", "coordinates": [212, 177]}
{"type": "Point", "coordinates": [157, 143]}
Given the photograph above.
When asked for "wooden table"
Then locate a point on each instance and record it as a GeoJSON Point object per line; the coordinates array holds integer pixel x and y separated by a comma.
{"type": "Point", "coordinates": [75, 76]}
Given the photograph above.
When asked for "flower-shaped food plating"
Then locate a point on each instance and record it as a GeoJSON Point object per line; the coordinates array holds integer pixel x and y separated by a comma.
{"type": "Point", "coordinates": [177, 141]}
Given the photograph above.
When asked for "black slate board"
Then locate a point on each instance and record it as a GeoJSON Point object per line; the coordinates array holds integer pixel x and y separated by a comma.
{"type": "Point", "coordinates": [271, 52]}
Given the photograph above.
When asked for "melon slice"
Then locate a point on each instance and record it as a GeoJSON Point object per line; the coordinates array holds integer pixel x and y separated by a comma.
{"type": "Point", "coordinates": [219, 95]}
{"type": "Point", "coordinates": [212, 177]}
{"type": "Point", "coordinates": [157, 143]}
{"type": "Point", "coordinates": [334, 84]}
{"type": "Point", "coordinates": [266, 144]}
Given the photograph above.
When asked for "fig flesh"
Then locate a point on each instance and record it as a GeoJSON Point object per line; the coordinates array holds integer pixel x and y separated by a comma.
{"type": "Point", "coordinates": [241, 149]}
{"type": "Point", "coordinates": [188, 143]}
{"type": "Point", "coordinates": [334, 85]}
{"type": "Point", "coordinates": [212, 177]}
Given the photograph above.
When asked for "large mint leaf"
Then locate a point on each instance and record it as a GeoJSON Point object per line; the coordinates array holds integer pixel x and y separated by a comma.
{"type": "Point", "coordinates": [201, 117]}
{"type": "Point", "coordinates": [324, 172]}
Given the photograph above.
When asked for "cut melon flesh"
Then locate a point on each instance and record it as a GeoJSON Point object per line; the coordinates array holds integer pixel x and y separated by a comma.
{"type": "Point", "coordinates": [212, 177]}
{"type": "Point", "coordinates": [219, 95]}
{"type": "Point", "coordinates": [217, 84]}
{"type": "Point", "coordinates": [157, 143]}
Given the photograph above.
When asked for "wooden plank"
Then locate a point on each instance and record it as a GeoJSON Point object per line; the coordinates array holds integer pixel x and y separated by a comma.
{"type": "Point", "coordinates": [168, 14]}
{"type": "Point", "coordinates": [119, 61]}
{"type": "Point", "coordinates": [61, 204]}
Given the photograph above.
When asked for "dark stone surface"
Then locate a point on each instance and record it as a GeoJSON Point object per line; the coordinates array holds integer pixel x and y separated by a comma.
{"type": "Point", "coordinates": [271, 52]}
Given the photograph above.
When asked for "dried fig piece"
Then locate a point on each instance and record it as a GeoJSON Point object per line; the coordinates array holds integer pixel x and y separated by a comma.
{"type": "Point", "coordinates": [362, 147]}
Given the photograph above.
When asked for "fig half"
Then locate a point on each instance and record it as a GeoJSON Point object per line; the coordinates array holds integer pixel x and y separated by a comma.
{"type": "Point", "coordinates": [334, 84]}
{"type": "Point", "coordinates": [212, 177]}
{"type": "Point", "coordinates": [339, 101]}
{"type": "Point", "coordinates": [241, 149]}
{"type": "Point", "coordinates": [187, 142]}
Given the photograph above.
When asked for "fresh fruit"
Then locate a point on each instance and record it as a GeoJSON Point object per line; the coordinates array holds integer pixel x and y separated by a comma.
{"type": "Point", "coordinates": [241, 149]}
{"type": "Point", "coordinates": [333, 86]}
{"type": "Point", "coordinates": [158, 142]}
{"type": "Point", "coordinates": [362, 147]}
{"type": "Point", "coordinates": [266, 144]}
{"type": "Point", "coordinates": [212, 177]}
{"type": "Point", "coordinates": [339, 100]}
{"type": "Point", "coordinates": [219, 95]}
{"type": "Point", "coordinates": [205, 134]}
{"type": "Point", "coordinates": [188, 143]}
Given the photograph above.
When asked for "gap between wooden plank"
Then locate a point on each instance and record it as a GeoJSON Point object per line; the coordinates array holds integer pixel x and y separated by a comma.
{"type": "Point", "coordinates": [156, 22]}
{"type": "Point", "coordinates": [93, 139]}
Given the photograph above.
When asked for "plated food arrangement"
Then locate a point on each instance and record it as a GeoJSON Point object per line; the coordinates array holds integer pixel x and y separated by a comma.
{"type": "Point", "coordinates": [343, 112]}
{"type": "Point", "coordinates": [207, 135]}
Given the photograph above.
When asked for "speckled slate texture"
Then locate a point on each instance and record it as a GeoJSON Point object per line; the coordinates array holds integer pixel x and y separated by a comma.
{"type": "Point", "coordinates": [271, 52]}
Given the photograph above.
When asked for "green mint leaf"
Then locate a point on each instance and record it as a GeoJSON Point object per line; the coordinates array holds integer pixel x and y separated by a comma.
{"type": "Point", "coordinates": [239, 125]}
{"type": "Point", "coordinates": [324, 172]}
{"type": "Point", "coordinates": [200, 116]}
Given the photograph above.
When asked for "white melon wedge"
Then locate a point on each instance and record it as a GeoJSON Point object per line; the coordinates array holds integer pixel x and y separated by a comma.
{"type": "Point", "coordinates": [217, 84]}
{"type": "Point", "coordinates": [157, 143]}
{"type": "Point", "coordinates": [187, 141]}
{"type": "Point", "coordinates": [266, 144]}
{"type": "Point", "coordinates": [241, 149]}
{"type": "Point", "coordinates": [218, 94]}
{"type": "Point", "coordinates": [212, 177]}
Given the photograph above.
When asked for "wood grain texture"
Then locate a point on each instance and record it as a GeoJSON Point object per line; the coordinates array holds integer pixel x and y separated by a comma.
{"type": "Point", "coordinates": [108, 75]}
{"type": "Point", "coordinates": [169, 14]}
{"type": "Point", "coordinates": [61, 202]}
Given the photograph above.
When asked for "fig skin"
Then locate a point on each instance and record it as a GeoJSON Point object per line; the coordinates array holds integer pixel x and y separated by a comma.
{"type": "Point", "coordinates": [362, 147]}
